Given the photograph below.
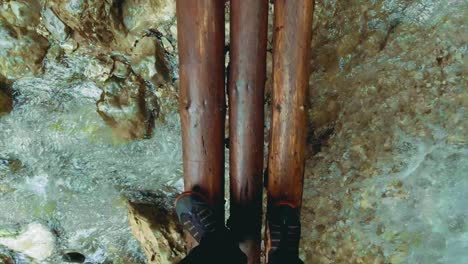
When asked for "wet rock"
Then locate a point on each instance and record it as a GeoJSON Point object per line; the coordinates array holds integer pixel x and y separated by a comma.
{"type": "Point", "coordinates": [149, 61]}
{"type": "Point", "coordinates": [144, 58]}
{"type": "Point", "coordinates": [6, 103]}
{"type": "Point", "coordinates": [36, 241]}
{"type": "Point", "coordinates": [6, 96]}
{"type": "Point", "coordinates": [13, 165]}
{"type": "Point", "coordinates": [385, 92]}
{"type": "Point", "coordinates": [120, 69]}
{"type": "Point", "coordinates": [139, 16]}
{"type": "Point", "coordinates": [167, 45]}
{"type": "Point", "coordinates": [21, 13]}
{"type": "Point", "coordinates": [4, 259]}
{"type": "Point", "coordinates": [8, 257]}
{"type": "Point", "coordinates": [22, 49]}
{"type": "Point", "coordinates": [93, 21]}
{"type": "Point", "coordinates": [131, 32]}
{"type": "Point", "coordinates": [55, 26]}
{"type": "Point", "coordinates": [154, 223]}
{"type": "Point", "coordinates": [129, 106]}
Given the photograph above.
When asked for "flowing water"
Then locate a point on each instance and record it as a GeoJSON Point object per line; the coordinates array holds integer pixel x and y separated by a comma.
{"type": "Point", "coordinates": [61, 165]}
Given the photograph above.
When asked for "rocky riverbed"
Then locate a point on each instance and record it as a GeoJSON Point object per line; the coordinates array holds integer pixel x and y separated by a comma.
{"type": "Point", "coordinates": [89, 131]}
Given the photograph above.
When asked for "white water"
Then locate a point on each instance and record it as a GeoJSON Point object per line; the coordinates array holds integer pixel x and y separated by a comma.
{"type": "Point", "coordinates": [421, 210]}
{"type": "Point", "coordinates": [74, 169]}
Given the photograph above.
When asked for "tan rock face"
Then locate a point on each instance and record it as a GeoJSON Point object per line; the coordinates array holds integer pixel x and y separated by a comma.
{"type": "Point", "coordinates": [149, 61]}
{"type": "Point", "coordinates": [21, 13]}
{"type": "Point", "coordinates": [154, 224]}
{"type": "Point", "coordinates": [131, 32]}
{"type": "Point", "coordinates": [94, 21]}
{"type": "Point", "coordinates": [21, 48]}
{"type": "Point", "coordinates": [137, 32]}
{"type": "Point", "coordinates": [387, 76]}
{"type": "Point", "coordinates": [140, 15]}
{"type": "Point", "coordinates": [128, 106]}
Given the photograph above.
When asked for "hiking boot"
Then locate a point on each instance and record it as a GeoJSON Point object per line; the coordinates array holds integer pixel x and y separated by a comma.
{"type": "Point", "coordinates": [196, 215]}
{"type": "Point", "coordinates": [283, 231]}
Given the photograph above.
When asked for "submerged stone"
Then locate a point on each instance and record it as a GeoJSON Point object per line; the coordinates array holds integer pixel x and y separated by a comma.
{"type": "Point", "coordinates": [36, 241]}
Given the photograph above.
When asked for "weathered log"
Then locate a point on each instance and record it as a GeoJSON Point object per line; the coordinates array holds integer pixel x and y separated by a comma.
{"type": "Point", "coordinates": [291, 53]}
{"type": "Point", "coordinates": [249, 22]}
{"type": "Point", "coordinates": [202, 97]}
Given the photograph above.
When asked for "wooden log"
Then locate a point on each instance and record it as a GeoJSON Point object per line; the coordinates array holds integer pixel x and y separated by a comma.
{"type": "Point", "coordinates": [291, 54]}
{"type": "Point", "coordinates": [249, 23]}
{"type": "Point", "coordinates": [200, 25]}
{"type": "Point", "coordinates": [291, 57]}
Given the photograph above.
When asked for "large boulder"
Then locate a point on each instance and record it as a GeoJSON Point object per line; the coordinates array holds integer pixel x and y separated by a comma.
{"type": "Point", "coordinates": [154, 223]}
{"type": "Point", "coordinates": [129, 106]}
{"type": "Point", "coordinates": [94, 22]}
{"type": "Point", "coordinates": [35, 241]}
{"type": "Point", "coordinates": [134, 37]}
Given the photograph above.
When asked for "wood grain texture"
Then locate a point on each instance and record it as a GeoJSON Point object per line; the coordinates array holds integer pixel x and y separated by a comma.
{"type": "Point", "coordinates": [200, 25]}
{"type": "Point", "coordinates": [291, 53]}
{"type": "Point", "coordinates": [249, 22]}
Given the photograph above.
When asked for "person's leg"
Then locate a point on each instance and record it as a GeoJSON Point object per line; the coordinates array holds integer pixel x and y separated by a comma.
{"type": "Point", "coordinates": [291, 50]}
{"type": "Point", "coordinates": [249, 23]}
{"type": "Point", "coordinates": [218, 248]}
{"type": "Point", "coordinates": [216, 244]}
{"type": "Point", "coordinates": [200, 25]}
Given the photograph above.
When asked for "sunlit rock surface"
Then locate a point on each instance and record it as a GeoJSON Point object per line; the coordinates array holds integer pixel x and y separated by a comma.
{"type": "Point", "coordinates": [90, 113]}
{"type": "Point", "coordinates": [128, 107]}
{"type": "Point", "coordinates": [154, 223]}
{"type": "Point", "coordinates": [22, 49]}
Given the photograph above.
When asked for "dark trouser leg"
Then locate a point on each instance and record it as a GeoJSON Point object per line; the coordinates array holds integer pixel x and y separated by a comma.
{"type": "Point", "coordinates": [280, 257]}
{"type": "Point", "coordinates": [219, 247]}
